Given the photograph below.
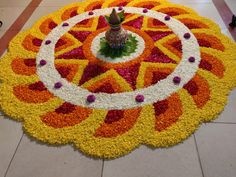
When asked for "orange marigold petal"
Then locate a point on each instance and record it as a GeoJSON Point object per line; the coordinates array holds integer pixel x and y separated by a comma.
{"type": "Point", "coordinates": [63, 43]}
{"type": "Point", "coordinates": [119, 3]}
{"type": "Point", "coordinates": [198, 88]}
{"type": "Point", "coordinates": [67, 71]}
{"type": "Point", "coordinates": [68, 13]}
{"type": "Point", "coordinates": [173, 11]}
{"type": "Point", "coordinates": [32, 43]}
{"type": "Point", "coordinates": [66, 115]}
{"type": "Point", "coordinates": [118, 122]}
{"type": "Point", "coordinates": [175, 46]}
{"type": "Point", "coordinates": [47, 26]}
{"type": "Point", "coordinates": [106, 85]}
{"type": "Point", "coordinates": [147, 4]}
{"type": "Point", "coordinates": [33, 93]}
{"type": "Point", "coordinates": [154, 23]}
{"type": "Point", "coordinates": [154, 75]}
{"type": "Point", "coordinates": [193, 24]}
{"type": "Point", "coordinates": [24, 66]}
{"type": "Point", "coordinates": [212, 64]}
{"type": "Point", "coordinates": [94, 5]}
{"type": "Point", "coordinates": [167, 112]}
{"type": "Point", "coordinates": [210, 41]}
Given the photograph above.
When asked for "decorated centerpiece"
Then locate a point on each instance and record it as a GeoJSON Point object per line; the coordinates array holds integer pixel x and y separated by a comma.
{"type": "Point", "coordinates": [116, 36]}
{"type": "Point", "coordinates": [117, 42]}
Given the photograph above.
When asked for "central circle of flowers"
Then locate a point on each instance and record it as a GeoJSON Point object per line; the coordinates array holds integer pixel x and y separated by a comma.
{"type": "Point", "coordinates": [127, 99]}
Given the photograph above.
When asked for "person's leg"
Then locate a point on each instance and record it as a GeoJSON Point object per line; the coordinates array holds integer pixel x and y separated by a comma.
{"type": "Point", "coordinates": [233, 23]}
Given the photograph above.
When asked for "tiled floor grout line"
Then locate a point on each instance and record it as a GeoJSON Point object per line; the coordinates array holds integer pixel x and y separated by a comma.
{"type": "Point", "coordinates": [198, 155]}
{"type": "Point", "coordinates": [103, 161]}
{"type": "Point", "coordinates": [13, 155]}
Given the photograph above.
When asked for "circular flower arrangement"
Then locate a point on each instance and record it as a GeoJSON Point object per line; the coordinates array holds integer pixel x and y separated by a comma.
{"type": "Point", "coordinates": [60, 80]}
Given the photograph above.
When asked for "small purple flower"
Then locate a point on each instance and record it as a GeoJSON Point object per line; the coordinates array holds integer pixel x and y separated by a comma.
{"type": "Point", "coordinates": [91, 13]}
{"type": "Point", "coordinates": [65, 24]}
{"type": "Point", "coordinates": [48, 42]}
{"type": "Point", "coordinates": [57, 85]}
{"type": "Point", "coordinates": [187, 35]}
{"type": "Point", "coordinates": [139, 98]}
{"type": "Point", "coordinates": [176, 79]}
{"type": "Point", "coordinates": [91, 98]}
{"type": "Point", "coordinates": [191, 59]}
{"type": "Point", "coordinates": [145, 10]}
{"type": "Point", "coordinates": [120, 8]}
{"type": "Point", "coordinates": [167, 18]}
{"type": "Point", "coordinates": [43, 62]}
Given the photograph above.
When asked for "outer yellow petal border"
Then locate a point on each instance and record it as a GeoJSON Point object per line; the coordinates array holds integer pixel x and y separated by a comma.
{"type": "Point", "coordinates": [143, 131]}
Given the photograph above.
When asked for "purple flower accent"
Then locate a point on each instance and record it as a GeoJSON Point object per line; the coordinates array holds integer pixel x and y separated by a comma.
{"type": "Point", "coordinates": [187, 35]}
{"type": "Point", "coordinates": [145, 10]}
{"type": "Point", "coordinates": [120, 8]}
{"type": "Point", "coordinates": [43, 62]}
{"type": "Point", "coordinates": [58, 85]}
{"type": "Point", "coordinates": [48, 42]}
{"type": "Point", "coordinates": [91, 98]}
{"type": "Point", "coordinates": [139, 98]}
{"type": "Point", "coordinates": [176, 79]}
{"type": "Point", "coordinates": [167, 18]}
{"type": "Point", "coordinates": [91, 13]}
{"type": "Point", "coordinates": [191, 59]}
{"type": "Point", "coordinates": [65, 24]}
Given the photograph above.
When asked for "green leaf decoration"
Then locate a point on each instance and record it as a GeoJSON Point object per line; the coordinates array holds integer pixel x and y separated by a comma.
{"type": "Point", "coordinates": [107, 18]}
{"type": "Point", "coordinates": [129, 48]}
{"type": "Point", "coordinates": [122, 15]}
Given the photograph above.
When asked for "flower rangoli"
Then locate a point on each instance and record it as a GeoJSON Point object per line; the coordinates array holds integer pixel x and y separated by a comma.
{"type": "Point", "coordinates": [175, 73]}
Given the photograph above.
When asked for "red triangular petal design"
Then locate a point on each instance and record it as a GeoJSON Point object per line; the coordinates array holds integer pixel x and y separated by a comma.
{"type": "Point", "coordinates": [114, 116]}
{"type": "Point", "coordinates": [105, 88]}
{"type": "Point", "coordinates": [80, 35]}
{"type": "Point", "coordinates": [130, 74]}
{"type": "Point", "coordinates": [158, 56]}
{"type": "Point", "coordinates": [156, 35]}
{"type": "Point", "coordinates": [102, 22]}
{"type": "Point", "coordinates": [136, 23]}
{"type": "Point", "coordinates": [91, 71]}
{"type": "Point", "coordinates": [76, 53]}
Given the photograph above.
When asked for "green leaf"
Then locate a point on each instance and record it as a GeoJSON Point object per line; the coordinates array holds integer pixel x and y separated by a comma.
{"type": "Point", "coordinates": [107, 18]}
{"type": "Point", "coordinates": [122, 15]}
{"type": "Point", "coordinates": [129, 48]}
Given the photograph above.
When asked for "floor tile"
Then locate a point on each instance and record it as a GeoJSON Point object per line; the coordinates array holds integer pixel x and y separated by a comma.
{"type": "Point", "coordinates": [228, 115]}
{"type": "Point", "coordinates": [216, 145]}
{"type": "Point", "coordinates": [33, 158]}
{"type": "Point", "coordinates": [14, 3]}
{"type": "Point", "coordinates": [8, 15]}
{"type": "Point", "coordinates": [180, 160]}
{"type": "Point", "coordinates": [10, 134]}
{"type": "Point", "coordinates": [232, 5]}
